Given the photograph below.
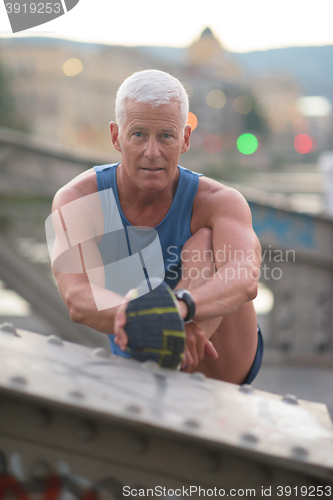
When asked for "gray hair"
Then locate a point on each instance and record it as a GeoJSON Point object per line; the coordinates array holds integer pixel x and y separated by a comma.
{"type": "Point", "coordinates": [153, 87]}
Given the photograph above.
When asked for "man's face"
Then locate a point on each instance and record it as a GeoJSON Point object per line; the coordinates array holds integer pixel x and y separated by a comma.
{"type": "Point", "coordinates": [151, 141]}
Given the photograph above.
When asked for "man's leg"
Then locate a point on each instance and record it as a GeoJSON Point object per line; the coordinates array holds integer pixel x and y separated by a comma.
{"type": "Point", "coordinates": [235, 335]}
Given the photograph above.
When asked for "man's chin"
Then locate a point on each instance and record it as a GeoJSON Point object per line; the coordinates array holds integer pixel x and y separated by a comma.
{"type": "Point", "coordinates": [153, 185]}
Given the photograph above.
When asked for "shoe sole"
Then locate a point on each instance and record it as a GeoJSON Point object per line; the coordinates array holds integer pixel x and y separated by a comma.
{"type": "Point", "coordinates": [155, 328]}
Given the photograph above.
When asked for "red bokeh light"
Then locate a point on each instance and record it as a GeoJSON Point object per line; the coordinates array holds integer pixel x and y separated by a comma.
{"type": "Point", "coordinates": [304, 144]}
{"type": "Point", "coordinates": [192, 120]}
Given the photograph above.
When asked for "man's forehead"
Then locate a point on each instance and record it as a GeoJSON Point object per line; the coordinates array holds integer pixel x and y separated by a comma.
{"type": "Point", "coordinates": [140, 111]}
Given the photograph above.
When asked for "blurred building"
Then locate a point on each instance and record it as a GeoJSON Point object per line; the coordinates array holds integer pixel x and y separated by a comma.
{"type": "Point", "coordinates": [65, 91]}
{"type": "Point", "coordinates": [61, 103]}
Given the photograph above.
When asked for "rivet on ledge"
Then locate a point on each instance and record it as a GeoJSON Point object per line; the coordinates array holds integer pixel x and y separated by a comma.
{"type": "Point", "coordinates": [9, 328]}
{"type": "Point", "coordinates": [55, 340]}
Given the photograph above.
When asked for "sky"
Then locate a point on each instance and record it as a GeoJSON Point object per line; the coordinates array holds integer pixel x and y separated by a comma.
{"type": "Point", "coordinates": [240, 25]}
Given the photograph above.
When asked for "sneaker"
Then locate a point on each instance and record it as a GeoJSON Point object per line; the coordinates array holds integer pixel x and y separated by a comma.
{"type": "Point", "coordinates": [155, 328]}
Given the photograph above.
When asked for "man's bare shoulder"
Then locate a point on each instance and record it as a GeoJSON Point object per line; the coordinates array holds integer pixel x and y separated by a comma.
{"type": "Point", "coordinates": [82, 185]}
{"type": "Point", "coordinates": [216, 199]}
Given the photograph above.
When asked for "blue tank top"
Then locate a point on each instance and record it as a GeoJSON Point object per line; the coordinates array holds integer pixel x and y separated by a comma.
{"type": "Point", "coordinates": [173, 231]}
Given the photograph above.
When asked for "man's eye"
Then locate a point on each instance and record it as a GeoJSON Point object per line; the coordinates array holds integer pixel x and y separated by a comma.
{"type": "Point", "coordinates": [137, 134]}
{"type": "Point", "coordinates": [167, 136]}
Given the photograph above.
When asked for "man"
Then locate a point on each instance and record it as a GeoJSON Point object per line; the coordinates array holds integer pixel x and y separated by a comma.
{"type": "Point", "coordinates": [205, 229]}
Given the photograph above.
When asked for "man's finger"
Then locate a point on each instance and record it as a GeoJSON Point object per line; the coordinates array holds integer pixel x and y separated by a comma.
{"type": "Point", "coordinates": [192, 346]}
{"type": "Point", "coordinates": [210, 350]}
{"type": "Point", "coordinates": [189, 361]}
{"type": "Point", "coordinates": [121, 338]}
{"type": "Point", "coordinates": [201, 346]}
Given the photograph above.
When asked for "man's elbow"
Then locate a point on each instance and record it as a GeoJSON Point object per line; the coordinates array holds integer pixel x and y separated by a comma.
{"type": "Point", "coordinates": [252, 285]}
{"type": "Point", "coordinates": [75, 315]}
{"type": "Point", "coordinates": [252, 291]}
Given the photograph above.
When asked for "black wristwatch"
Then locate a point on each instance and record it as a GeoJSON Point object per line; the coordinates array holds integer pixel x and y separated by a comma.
{"type": "Point", "coordinates": [186, 297]}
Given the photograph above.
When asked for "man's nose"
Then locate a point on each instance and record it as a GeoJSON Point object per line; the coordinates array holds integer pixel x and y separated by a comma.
{"type": "Point", "coordinates": [152, 150]}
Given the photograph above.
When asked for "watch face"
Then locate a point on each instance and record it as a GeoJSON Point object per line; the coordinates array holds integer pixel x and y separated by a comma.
{"type": "Point", "coordinates": [180, 294]}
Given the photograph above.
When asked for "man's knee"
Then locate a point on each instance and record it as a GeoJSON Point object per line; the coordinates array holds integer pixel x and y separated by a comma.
{"type": "Point", "coordinates": [201, 240]}
{"type": "Point", "coordinates": [198, 262]}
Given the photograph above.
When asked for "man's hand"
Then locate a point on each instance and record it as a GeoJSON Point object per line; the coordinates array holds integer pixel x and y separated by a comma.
{"type": "Point", "coordinates": [121, 338]}
{"type": "Point", "coordinates": [197, 345]}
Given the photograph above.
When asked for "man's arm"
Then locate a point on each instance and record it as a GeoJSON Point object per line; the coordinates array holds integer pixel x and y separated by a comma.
{"type": "Point", "coordinates": [77, 263]}
{"type": "Point", "coordinates": [237, 256]}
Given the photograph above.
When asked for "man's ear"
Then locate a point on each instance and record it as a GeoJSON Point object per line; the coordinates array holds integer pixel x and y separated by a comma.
{"type": "Point", "coordinates": [187, 139]}
{"type": "Point", "coordinates": [114, 129]}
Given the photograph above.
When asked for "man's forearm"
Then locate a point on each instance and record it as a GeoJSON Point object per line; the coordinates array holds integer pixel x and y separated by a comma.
{"type": "Point", "coordinates": [230, 287]}
{"type": "Point", "coordinates": [90, 305]}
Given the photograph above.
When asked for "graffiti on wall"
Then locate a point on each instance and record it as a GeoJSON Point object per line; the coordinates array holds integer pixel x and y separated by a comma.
{"type": "Point", "coordinates": [288, 229]}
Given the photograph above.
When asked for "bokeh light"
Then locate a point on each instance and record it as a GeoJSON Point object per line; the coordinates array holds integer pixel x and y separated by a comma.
{"type": "Point", "coordinates": [243, 104]}
{"type": "Point", "coordinates": [313, 106]}
{"type": "Point", "coordinates": [216, 99]}
{"type": "Point", "coordinates": [247, 144]}
{"type": "Point", "coordinates": [212, 143]}
{"type": "Point", "coordinates": [192, 120]}
{"type": "Point", "coordinates": [304, 144]}
{"type": "Point", "coordinates": [264, 302]}
{"type": "Point", "coordinates": [72, 67]}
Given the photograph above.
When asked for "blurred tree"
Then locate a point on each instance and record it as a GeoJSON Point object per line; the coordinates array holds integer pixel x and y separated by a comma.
{"type": "Point", "coordinates": [8, 112]}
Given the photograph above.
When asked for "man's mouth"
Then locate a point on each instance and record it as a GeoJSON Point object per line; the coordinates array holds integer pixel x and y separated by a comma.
{"type": "Point", "coordinates": [152, 169]}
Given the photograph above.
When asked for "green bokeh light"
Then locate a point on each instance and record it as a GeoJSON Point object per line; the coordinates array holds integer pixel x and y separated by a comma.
{"type": "Point", "coordinates": [247, 144]}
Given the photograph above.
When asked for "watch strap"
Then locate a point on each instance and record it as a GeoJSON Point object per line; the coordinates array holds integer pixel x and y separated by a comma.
{"type": "Point", "coordinates": [186, 297]}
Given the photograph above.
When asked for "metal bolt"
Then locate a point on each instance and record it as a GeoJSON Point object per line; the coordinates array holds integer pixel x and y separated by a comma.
{"type": "Point", "coordinates": [55, 340]}
{"type": "Point", "coordinates": [9, 328]}
{"type": "Point", "coordinates": [249, 439]}
{"type": "Point", "coordinates": [150, 366]}
{"type": "Point", "coordinates": [192, 423]}
{"type": "Point", "coordinates": [100, 352]}
{"type": "Point", "coordinates": [133, 408]}
{"type": "Point", "coordinates": [18, 380]}
{"type": "Point", "coordinates": [290, 399]}
{"type": "Point", "coordinates": [198, 376]}
{"type": "Point", "coordinates": [76, 394]}
{"type": "Point", "coordinates": [299, 453]}
{"type": "Point", "coordinates": [246, 389]}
